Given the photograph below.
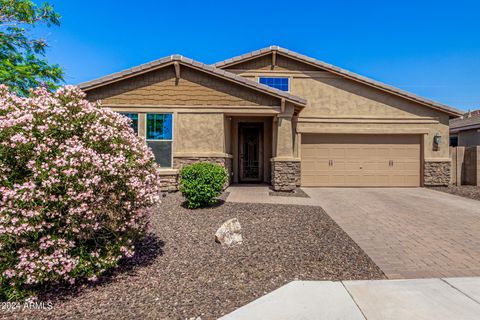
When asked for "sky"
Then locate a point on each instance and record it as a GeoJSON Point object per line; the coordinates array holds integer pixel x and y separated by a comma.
{"type": "Point", "coordinates": [430, 48]}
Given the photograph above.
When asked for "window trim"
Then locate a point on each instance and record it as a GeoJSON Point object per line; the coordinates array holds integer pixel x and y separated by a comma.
{"type": "Point", "coordinates": [281, 77]}
{"type": "Point", "coordinates": [170, 140]}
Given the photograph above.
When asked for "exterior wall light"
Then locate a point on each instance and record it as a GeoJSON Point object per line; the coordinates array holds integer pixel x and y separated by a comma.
{"type": "Point", "coordinates": [437, 140]}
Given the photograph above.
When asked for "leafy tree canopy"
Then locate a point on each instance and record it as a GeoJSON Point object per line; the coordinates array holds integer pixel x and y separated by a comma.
{"type": "Point", "coordinates": [22, 56]}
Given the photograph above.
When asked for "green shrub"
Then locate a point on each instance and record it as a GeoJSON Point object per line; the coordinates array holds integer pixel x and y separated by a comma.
{"type": "Point", "coordinates": [201, 183]}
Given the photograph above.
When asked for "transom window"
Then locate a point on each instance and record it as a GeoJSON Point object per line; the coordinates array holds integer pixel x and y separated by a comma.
{"type": "Point", "coordinates": [134, 118]}
{"type": "Point", "coordinates": [275, 82]}
{"type": "Point", "coordinates": [159, 137]}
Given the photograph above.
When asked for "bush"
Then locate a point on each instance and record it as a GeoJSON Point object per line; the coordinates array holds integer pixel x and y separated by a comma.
{"type": "Point", "coordinates": [201, 183]}
{"type": "Point", "coordinates": [76, 187]}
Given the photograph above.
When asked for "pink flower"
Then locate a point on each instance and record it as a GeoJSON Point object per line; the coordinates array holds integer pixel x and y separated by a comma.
{"type": "Point", "coordinates": [69, 168]}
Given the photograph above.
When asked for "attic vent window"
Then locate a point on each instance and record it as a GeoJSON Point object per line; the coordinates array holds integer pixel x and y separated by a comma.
{"type": "Point", "coordinates": [275, 82]}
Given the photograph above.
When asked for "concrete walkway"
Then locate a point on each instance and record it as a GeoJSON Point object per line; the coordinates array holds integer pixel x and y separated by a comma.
{"type": "Point", "coordinates": [436, 299]}
{"type": "Point", "coordinates": [407, 232]}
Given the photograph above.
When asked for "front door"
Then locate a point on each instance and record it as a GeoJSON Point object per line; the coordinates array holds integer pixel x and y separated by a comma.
{"type": "Point", "coordinates": [251, 152]}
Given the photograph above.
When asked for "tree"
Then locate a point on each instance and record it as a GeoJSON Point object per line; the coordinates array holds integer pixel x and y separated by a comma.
{"type": "Point", "coordinates": [22, 57]}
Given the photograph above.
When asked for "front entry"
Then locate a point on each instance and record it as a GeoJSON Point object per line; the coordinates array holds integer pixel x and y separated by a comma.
{"type": "Point", "coordinates": [250, 144]}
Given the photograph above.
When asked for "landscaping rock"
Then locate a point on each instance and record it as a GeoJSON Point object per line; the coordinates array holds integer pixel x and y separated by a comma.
{"type": "Point", "coordinates": [229, 233]}
{"type": "Point", "coordinates": [181, 273]}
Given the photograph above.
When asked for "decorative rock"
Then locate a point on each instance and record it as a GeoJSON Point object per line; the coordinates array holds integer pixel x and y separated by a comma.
{"type": "Point", "coordinates": [229, 233]}
{"type": "Point", "coordinates": [437, 173]}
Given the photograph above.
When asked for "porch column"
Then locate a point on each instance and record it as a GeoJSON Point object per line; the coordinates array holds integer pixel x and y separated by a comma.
{"type": "Point", "coordinates": [285, 167]}
{"type": "Point", "coordinates": [284, 138]}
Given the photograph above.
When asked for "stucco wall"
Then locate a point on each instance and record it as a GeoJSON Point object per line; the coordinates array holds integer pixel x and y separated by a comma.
{"type": "Point", "coordinates": [336, 104]}
{"type": "Point", "coordinates": [198, 133]}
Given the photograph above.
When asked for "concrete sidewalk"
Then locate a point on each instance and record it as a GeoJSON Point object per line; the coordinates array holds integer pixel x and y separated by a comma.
{"type": "Point", "coordinates": [436, 299]}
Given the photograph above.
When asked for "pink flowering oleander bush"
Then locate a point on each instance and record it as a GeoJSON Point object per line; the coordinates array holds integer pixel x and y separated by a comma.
{"type": "Point", "coordinates": [76, 188]}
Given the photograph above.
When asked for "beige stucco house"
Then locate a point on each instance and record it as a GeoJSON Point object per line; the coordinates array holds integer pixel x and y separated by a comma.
{"type": "Point", "coordinates": [279, 117]}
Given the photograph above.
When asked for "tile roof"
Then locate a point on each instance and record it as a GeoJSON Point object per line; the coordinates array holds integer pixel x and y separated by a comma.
{"type": "Point", "coordinates": [329, 67]}
{"type": "Point", "coordinates": [194, 64]}
{"type": "Point", "coordinates": [469, 120]}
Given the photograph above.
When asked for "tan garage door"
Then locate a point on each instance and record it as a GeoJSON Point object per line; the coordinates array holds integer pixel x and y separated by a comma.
{"type": "Point", "coordinates": [360, 160]}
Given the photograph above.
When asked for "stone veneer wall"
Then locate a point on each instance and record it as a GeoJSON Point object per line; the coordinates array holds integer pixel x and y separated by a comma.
{"type": "Point", "coordinates": [437, 173]}
{"type": "Point", "coordinates": [170, 182]}
{"type": "Point", "coordinates": [285, 175]}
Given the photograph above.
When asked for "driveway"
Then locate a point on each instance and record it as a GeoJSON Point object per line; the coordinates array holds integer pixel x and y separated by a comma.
{"type": "Point", "coordinates": [409, 233]}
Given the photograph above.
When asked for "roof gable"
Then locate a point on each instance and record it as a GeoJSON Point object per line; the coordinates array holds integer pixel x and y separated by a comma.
{"type": "Point", "coordinates": [273, 53]}
{"type": "Point", "coordinates": [266, 61]}
{"type": "Point", "coordinates": [177, 62]}
{"type": "Point", "coordinates": [194, 88]}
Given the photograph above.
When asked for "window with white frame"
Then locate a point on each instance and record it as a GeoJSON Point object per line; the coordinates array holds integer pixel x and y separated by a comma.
{"type": "Point", "coordinates": [134, 118]}
{"type": "Point", "coordinates": [159, 136]}
{"type": "Point", "coordinates": [275, 82]}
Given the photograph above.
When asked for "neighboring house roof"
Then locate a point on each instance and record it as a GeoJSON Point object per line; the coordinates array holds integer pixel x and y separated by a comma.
{"type": "Point", "coordinates": [339, 71]}
{"type": "Point", "coordinates": [470, 120]}
{"type": "Point", "coordinates": [160, 63]}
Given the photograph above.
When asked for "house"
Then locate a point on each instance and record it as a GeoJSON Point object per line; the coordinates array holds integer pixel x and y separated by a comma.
{"type": "Point", "coordinates": [283, 118]}
{"type": "Point", "coordinates": [464, 131]}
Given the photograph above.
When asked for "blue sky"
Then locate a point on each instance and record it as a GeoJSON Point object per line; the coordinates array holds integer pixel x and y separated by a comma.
{"type": "Point", "coordinates": [431, 48]}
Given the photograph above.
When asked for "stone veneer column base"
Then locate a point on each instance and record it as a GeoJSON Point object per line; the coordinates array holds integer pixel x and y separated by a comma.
{"type": "Point", "coordinates": [169, 182]}
{"type": "Point", "coordinates": [436, 173]}
{"type": "Point", "coordinates": [285, 174]}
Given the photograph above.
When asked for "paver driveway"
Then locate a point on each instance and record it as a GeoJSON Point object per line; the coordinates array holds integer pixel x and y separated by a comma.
{"type": "Point", "coordinates": [409, 233]}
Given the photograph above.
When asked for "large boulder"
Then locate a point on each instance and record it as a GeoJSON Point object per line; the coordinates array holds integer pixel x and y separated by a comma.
{"type": "Point", "coordinates": [229, 233]}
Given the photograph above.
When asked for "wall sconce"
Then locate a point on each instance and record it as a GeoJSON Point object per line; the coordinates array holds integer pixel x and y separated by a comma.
{"type": "Point", "coordinates": [437, 140]}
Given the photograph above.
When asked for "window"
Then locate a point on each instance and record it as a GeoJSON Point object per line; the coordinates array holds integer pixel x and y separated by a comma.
{"type": "Point", "coordinates": [159, 137]}
{"type": "Point", "coordinates": [453, 141]}
{"type": "Point", "coordinates": [134, 118]}
{"type": "Point", "coordinates": [277, 83]}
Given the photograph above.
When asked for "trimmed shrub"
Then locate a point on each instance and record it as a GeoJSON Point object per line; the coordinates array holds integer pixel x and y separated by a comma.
{"type": "Point", "coordinates": [76, 188]}
{"type": "Point", "coordinates": [201, 183]}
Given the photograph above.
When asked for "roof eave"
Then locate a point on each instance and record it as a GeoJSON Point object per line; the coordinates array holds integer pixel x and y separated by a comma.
{"type": "Point", "coordinates": [464, 128]}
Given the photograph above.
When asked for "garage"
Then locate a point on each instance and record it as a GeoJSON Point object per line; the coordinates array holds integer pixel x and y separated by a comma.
{"type": "Point", "coordinates": [360, 160]}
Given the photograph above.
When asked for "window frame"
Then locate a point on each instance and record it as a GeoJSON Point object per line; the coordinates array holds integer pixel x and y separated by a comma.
{"type": "Point", "coordinates": [170, 140]}
{"type": "Point", "coordinates": [276, 77]}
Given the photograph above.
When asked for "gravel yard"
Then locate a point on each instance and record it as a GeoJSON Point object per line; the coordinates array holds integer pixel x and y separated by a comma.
{"type": "Point", "coordinates": [472, 192]}
{"type": "Point", "coordinates": [180, 272]}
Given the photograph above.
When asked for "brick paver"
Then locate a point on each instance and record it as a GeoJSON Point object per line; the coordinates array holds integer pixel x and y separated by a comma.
{"type": "Point", "coordinates": [409, 233]}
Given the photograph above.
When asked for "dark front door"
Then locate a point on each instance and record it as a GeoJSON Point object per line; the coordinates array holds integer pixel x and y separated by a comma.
{"type": "Point", "coordinates": [251, 152]}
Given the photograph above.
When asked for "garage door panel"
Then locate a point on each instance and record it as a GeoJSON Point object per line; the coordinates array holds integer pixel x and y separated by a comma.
{"type": "Point", "coordinates": [309, 165]}
{"type": "Point", "coordinates": [337, 153]}
{"type": "Point", "coordinates": [352, 165]}
{"type": "Point", "coordinates": [404, 153]}
{"type": "Point", "coordinates": [309, 152]}
{"type": "Point", "coordinates": [360, 160]}
{"type": "Point", "coordinates": [374, 166]}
